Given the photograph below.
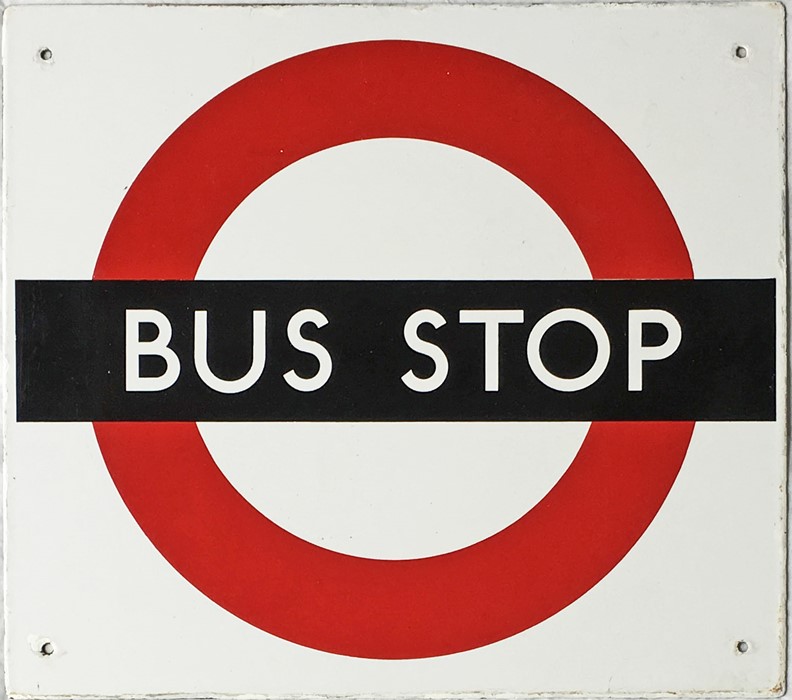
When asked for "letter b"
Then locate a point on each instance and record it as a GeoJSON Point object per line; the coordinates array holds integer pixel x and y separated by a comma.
{"type": "Point", "coordinates": [135, 348]}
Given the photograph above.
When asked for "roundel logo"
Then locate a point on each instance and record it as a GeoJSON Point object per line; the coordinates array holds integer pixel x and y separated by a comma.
{"type": "Point", "coordinates": [666, 350]}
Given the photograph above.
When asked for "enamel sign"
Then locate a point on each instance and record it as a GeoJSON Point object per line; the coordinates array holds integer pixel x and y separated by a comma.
{"type": "Point", "coordinates": [394, 351]}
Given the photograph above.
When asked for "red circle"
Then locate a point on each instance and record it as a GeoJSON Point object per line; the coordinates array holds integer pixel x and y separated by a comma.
{"type": "Point", "coordinates": [368, 607]}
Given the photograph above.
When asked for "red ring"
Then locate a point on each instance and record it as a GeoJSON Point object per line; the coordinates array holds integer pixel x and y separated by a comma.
{"type": "Point", "coordinates": [367, 607]}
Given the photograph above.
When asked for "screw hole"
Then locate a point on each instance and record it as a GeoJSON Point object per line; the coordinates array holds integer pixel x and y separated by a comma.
{"type": "Point", "coordinates": [742, 646]}
{"type": "Point", "coordinates": [740, 52]}
{"type": "Point", "coordinates": [47, 649]}
{"type": "Point", "coordinates": [45, 54]}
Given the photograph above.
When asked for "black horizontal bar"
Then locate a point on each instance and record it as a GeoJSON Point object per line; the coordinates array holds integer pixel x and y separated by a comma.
{"type": "Point", "coordinates": [71, 351]}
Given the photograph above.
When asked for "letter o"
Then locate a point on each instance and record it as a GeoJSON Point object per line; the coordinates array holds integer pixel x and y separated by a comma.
{"type": "Point", "coordinates": [568, 383]}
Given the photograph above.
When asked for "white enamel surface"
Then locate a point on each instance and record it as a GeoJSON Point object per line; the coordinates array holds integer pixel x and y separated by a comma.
{"type": "Point", "coordinates": [709, 570]}
{"type": "Point", "coordinates": [393, 209]}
